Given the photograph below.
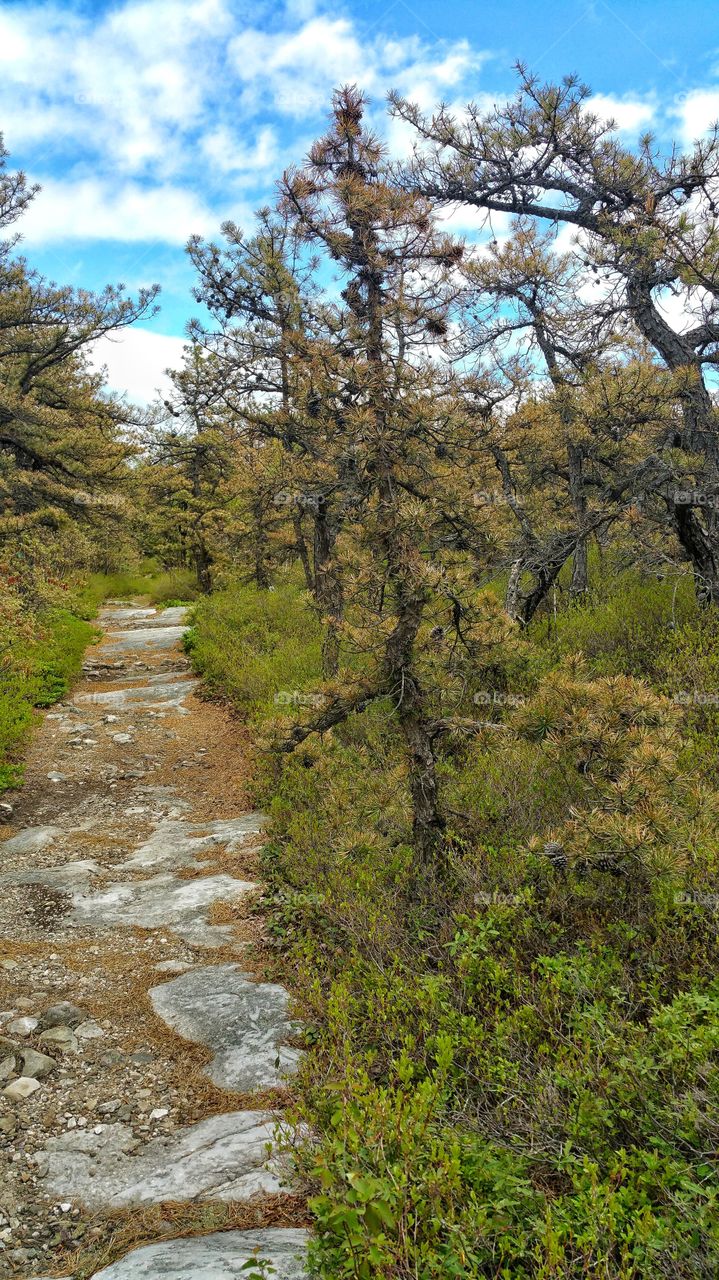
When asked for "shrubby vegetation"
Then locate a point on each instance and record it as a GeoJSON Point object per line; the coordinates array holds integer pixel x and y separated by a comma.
{"type": "Point", "coordinates": [449, 514]}
{"type": "Point", "coordinates": [467, 599]}
{"type": "Point", "coordinates": [512, 1071]}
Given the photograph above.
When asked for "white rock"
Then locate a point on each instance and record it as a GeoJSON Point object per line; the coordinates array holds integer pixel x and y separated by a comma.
{"type": "Point", "coordinates": [22, 1026]}
{"type": "Point", "coordinates": [220, 1256]}
{"type": "Point", "coordinates": [245, 1023]}
{"type": "Point", "coordinates": [89, 1031]}
{"type": "Point", "coordinates": [159, 1113]}
{"type": "Point", "coordinates": [31, 840]}
{"type": "Point", "coordinates": [222, 1158]}
{"type": "Point", "coordinates": [20, 1089]}
{"type": "Point", "coordinates": [173, 966]}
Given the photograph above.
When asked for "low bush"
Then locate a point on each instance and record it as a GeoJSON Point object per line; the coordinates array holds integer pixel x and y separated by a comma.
{"type": "Point", "coordinates": [512, 1070]}
{"type": "Point", "coordinates": [39, 657]}
{"type": "Point", "coordinates": [256, 647]}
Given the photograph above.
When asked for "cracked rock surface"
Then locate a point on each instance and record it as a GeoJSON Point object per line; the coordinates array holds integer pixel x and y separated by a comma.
{"type": "Point", "coordinates": [223, 1158]}
{"type": "Point", "coordinates": [244, 1023]}
{"type": "Point", "coordinates": [213, 1257]}
{"type": "Point", "coordinates": [140, 1063]}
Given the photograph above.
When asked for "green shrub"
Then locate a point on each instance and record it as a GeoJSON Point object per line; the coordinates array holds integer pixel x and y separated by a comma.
{"type": "Point", "coordinates": [624, 631]}
{"type": "Point", "coordinates": [513, 1072]}
{"type": "Point", "coordinates": [37, 665]}
{"type": "Point", "coordinates": [252, 646]}
{"type": "Point", "coordinates": [175, 586]}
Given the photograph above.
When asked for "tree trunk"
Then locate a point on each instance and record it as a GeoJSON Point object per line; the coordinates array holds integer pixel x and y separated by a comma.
{"type": "Point", "coordinates": [203, 568]}
{"type": "Point", "coordinates": [700, 435]}
{"type": "Point", "coordinates": [403, 686]}
{"type": "Point", "coordinates": [703, 552]}
{"type": "Point", "coordinates": [259, 542]}
{"type": "Point", "coordinates": [303, 553]}
{"type": "Point", "coordinates": [327, 588]}
{"type": "Point", "coordinates": [580, 571]}
{"type": "Point", "coordinates": [512, 600]}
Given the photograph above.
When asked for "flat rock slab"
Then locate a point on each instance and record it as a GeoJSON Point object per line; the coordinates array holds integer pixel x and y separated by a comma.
{"type": "Point", "coordinates": [173, 616]}
{"type": "Point", "coordinates": [158, 637]}
{"type": "Point", "coordinates": [244, 1023]}
{"type": "Point", "coordinates": [220, 1256]}
{"type": "Point", "coordinates": [177, 843]}
{"type": "Point", "coordinates": [167, 693]}
{"type": "Point", "coordinates": [66, 875]}
{"type": "Point", "coordinates": [163, 901]}
{"type": "Point", "coordinates": [31, 840]}
{"type": "Point", "coordinates": [223, 1158]}
{"type": "Point", "coordinates": [128, 616]}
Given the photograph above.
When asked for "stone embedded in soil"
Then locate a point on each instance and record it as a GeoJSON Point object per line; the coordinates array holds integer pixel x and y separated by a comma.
{"type": "Point", "coordinates": [220, 1256]}
{"type": "Point", "coordinates": [173, 966]}
{"type": "Point", "coordinates": [37, 1065]}
{"type": "Point", "coordinates": [143, 638]}
{"type": "Point", "coordinates": [20, 1089]}
{"type": "Point", "coordinates": [63, 1014]}
{"type": "Point", "coordinates": [179, 843]}
{"type": "Point", "coordinates": [128, 615]}
{"type": "Point", "coordinates": [163, 901]}
{"type": "Point", "coordinates": [68, 873]}
{"type": "Point", "coordinates": [22, 1026]}
{"type": "Point", "coordinates": [223, 1158]}
{"type": "Point", "coordinates": [7, 1068]}
{"type": "Point", "coordinates": [89, 1031]}
{"type": "Point", "coordinates": [245, 1024]}
{"type": "Point", "coordinates": [31, 840]}
{"type": "Point", "coordinates": [62, 1037]}
{"type": "Point", "coordinates": [169, 693]}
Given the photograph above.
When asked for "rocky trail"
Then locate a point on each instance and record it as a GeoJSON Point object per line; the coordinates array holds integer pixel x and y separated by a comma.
{"type": "Point", "coordinates": [142, 1062]}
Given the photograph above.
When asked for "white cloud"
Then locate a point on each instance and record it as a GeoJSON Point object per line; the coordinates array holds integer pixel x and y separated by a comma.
{"type": "Point", "coordinates": [684, 308]}
{"type": "Point", "coordinates": [294, 71]}
{"type": "Point", "coordinates": [140, 121]}
{"type": "Point", "coordinates": [697, 112]}
{"type": "Point", "coordinates": [629, 114]}
{"type": "Point", "coordinates": [228, 154]}
{"type": "Point", "coordinates": [94, 209]}
{"type": "Point", "coordinates": [122, 85]}
{"type": "Point", "coordinates": [136, 359]}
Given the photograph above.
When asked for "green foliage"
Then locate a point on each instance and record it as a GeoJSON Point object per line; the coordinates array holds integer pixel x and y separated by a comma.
{"type": "Point", "coordinates": [624, 627]}
{"type": "Point", "coordinates": [513, 1072]}
{"type": "Point", "coordinates": [253, 646]}
{"type": "Point", "coordinates": [37, 665]}
{"type": "Point", "coordinates": [176, 586]}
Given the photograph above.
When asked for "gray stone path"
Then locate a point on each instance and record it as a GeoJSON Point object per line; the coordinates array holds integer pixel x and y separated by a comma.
{"type": "Point", "coordinates": [244, 1023]}
{"type": "Point", "coordinates": [223, 1158]}
{"type": "Point", "coordinates": [221, 1256]}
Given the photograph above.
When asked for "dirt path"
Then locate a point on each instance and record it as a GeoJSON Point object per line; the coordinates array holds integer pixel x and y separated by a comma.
{"type": "Point", "coordinates": [141, 1066]}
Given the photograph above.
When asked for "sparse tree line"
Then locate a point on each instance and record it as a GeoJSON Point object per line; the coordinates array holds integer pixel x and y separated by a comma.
{"type": "Point", "coordinates": [65, 444]}
{"type": "Point", "coordinates": [413, 420]}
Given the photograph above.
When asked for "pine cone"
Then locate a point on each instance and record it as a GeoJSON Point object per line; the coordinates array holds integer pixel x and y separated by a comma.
{"type": "Point", "coordinates": [607, 862]}
{"type": "Point", "coordinates": [554, 851]}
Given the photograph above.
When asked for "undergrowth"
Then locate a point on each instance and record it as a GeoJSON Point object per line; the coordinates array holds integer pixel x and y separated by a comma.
{"type": "Point", "coordinates": [512, 1068]}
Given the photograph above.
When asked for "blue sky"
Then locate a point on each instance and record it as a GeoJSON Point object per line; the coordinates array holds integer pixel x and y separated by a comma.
{"type": "Point", "coordinates": [147, 120]}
